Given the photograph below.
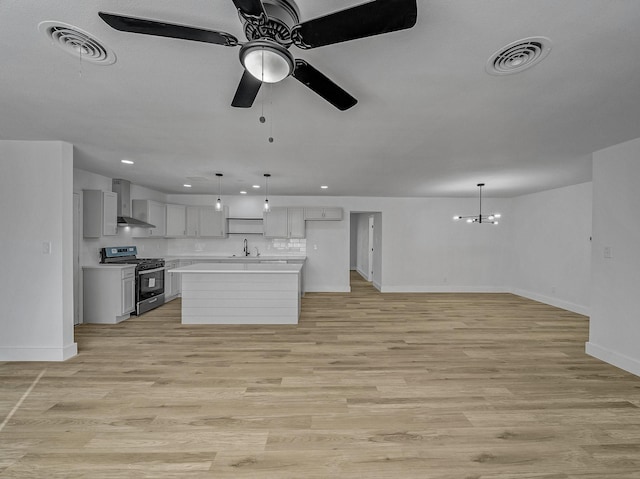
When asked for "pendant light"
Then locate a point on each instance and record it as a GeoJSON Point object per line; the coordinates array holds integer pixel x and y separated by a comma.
{"type": "Point", "coordinates": [219, 201]}
{"type": "Point", "coordinates": [267, 208]}
{"type": "Point", "coordinates": [480, 218]}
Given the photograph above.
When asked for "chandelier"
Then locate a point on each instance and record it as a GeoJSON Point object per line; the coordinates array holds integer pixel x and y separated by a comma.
{"type": "Point", "coordinates": [480, 218]}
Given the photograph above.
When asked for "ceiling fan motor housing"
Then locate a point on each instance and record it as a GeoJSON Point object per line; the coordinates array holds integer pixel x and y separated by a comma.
{"type": "Point", "coordinates": [282, 16]}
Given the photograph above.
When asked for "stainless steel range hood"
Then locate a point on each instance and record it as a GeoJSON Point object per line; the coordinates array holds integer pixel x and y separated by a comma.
{"type": "Point", "coordinates": [123, 189]}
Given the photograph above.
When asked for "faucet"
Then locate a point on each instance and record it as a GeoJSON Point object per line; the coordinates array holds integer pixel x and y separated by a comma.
{"type": "Point", "coordinates": [257, 251]}
{"type": "Point", "coordinates": [245, 250]}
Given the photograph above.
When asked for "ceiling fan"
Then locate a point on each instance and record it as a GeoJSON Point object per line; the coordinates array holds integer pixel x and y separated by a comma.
{"type": "Point", "coordinates": [271, 27]}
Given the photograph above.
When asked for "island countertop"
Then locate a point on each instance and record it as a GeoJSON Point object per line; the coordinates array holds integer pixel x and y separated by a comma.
{"type": "Point", "coordinates": [238, 268]}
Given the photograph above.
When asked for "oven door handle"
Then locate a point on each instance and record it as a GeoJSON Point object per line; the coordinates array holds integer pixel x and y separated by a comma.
{"type": "Point", "coordinates": [149, 271]}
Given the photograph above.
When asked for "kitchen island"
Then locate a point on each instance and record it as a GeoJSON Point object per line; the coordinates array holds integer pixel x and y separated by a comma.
{"type": "Point", "coordinates": [240, 293]}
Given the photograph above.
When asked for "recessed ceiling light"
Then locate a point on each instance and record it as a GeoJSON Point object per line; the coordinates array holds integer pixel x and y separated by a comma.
{"type": "Point", "coordinates": [243, 192]}
{"type": "Point", "coordinates": [256, 186]}
{"type": "Point", "coordinates": [324, 187]}
{"type": "Point", "coordinates": [126, 162]}
{"type": "Point", "coordinates": [187, 186]}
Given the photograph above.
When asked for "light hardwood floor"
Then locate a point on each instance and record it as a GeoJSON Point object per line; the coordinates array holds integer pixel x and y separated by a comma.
{"type": "Point", "coordinates": [368, 385]}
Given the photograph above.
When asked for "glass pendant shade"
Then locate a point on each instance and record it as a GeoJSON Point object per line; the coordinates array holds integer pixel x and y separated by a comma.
{"type": "Point", "coordinates": [267, 208]}
{"type": "Point", "coordinates": [219, 200]}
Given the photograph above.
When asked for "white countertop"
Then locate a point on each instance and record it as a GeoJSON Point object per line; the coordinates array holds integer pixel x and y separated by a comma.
{"type": "Point", "coordinates": [238, 258]}
{"type": "Point", "coordinates": [238, 268]}
{"type": "Point", "coordinates": [108, 266]}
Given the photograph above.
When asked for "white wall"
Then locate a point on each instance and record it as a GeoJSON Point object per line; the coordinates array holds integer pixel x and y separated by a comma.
{"type": "Point", "coordinates": [614, 334]}
{"type": "Point", "coordinates": [552, 245]}
{"type": "Point", "coordinates": [36, 289]}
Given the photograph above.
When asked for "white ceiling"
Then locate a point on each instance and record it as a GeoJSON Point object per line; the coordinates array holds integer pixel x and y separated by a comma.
{"type": "Point", "coordinates": [429, 120]}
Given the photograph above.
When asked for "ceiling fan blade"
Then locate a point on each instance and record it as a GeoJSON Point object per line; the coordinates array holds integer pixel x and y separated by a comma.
{"type": "Point", "coordinates": [247, 91]}
{"type": "Point", "coordinates": [250, 8]}
{"type": "Point", "coordinates": [365, 20]}
{"type": "Point", "coordinates": [170, 30]}
{"type": "Point", "coordinates": [323, 86]}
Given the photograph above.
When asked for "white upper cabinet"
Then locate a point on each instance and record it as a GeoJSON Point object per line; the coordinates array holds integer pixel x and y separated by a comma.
{"type": "Point", "coordinates": [284, 223]}
{"type": "Point", "coordinates": [176, 221]}
{"type": "Point", "coordinates": [100, 217]}
{"type": "Point", "coordinates": [213, 223]}
{"type": "Point", "coordinates": [314, 214]}
{"type": "Point", "coordinates": [193, 221]}
{"type": "Point", "coordinates": [295, 222]}
{"type": "Point", "coordinates": [276, 223]}
{"type": "Point", "coordinates": [151, 212]}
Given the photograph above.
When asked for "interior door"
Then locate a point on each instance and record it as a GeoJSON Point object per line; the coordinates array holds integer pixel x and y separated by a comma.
{"type": "Point", "coordinates": [371, 225]}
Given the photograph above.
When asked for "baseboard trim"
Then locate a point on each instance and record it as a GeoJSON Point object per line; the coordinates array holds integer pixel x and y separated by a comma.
{"type": "Point", "coordinates": [558, 303]}
{"type": "Point", "coordinates": [39, 354]}
{"type": "Point", "coordinates": [443, 289]}
{"type": "Point", "coordinates": [619, 360]}
{"type": "Point", "coordinates": [327, 289]}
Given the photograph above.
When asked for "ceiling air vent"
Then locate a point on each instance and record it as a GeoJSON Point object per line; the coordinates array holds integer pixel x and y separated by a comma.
{"type": "Point", "coordinates": [77, 43]}
{"type": "Point", "coordinates": [518, 56]}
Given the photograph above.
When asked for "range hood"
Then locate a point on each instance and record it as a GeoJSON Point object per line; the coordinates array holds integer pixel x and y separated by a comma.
{"type": "Point", "coordinates": [123, 189]}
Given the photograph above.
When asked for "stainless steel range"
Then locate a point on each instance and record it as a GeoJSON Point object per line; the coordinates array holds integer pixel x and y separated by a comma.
{"type": "Point", "coordinates": [149, 275]}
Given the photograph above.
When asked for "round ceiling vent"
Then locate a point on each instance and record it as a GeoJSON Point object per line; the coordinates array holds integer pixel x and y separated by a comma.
{"type": "Point", "coordinates": [78, 43]}
{"type": "Point", "coordinates": [518, 56]}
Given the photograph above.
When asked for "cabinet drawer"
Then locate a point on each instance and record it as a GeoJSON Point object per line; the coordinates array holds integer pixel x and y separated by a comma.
{"type": "Point", "coordinates": [128, 272]}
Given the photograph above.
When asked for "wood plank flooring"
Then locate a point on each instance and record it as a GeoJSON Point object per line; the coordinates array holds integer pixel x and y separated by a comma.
{"type": "Point", "coordinates": [368, 385]}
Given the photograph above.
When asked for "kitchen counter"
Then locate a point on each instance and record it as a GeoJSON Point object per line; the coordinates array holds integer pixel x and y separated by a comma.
{"type": "Point", "coordinates": [240, 293]}
{"type": "Point", "coordinates": [238, 268]}
{"type": "Point", "coordinates": [108, 266]}
{"type": "Point", "coordinates": [238, 258]}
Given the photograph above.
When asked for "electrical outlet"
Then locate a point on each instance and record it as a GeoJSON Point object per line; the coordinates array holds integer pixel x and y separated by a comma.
{"type": "Point", "coordinates": [46, 247]}
{"type": "Point", "coordinates": [608, 253]}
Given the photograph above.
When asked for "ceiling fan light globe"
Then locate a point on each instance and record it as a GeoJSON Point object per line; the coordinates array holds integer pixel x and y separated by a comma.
{"type": "Point", "coordinates": [266, 62]}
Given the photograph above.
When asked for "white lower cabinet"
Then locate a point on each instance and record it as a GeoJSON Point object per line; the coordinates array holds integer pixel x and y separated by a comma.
{"type": "Point", "coordinates": [171, 281]}
{"type": "Point", "coordinates": [109, 293]}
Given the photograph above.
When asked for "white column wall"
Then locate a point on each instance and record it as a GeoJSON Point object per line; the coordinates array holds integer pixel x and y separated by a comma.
{"type": "Point", "coordinates": [614, 334]}
{"type": "Point", "coordinates": [36, 288]}
{"type": "Point", "coordinates": [552, 231]}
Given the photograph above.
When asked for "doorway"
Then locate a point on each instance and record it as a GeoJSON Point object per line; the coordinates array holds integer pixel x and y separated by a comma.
{"type": "Point", "coordinates": [366, 246]}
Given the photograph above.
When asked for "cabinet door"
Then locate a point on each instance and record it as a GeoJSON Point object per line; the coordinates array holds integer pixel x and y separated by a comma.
{"type": "Point", "coordinates": [213, 223]}
{"type": "Point", "coordinates": [313, 213]}
{"type": "Point", "coordinates": [109, 213]}
{"type": "Point", "coordinates": [332, 213]}
{"type": "Point", "coordinates": [276, 223]}
{"type": "Point", "coordinates": [128, 294]}
{"type": "Point", "coordinates": [176, 221]}
{"type": "Point", "coordinates": [99, 213]}
{"type": "Point", "coordinates": [295, 220]}
{"type": "Point", "coordinates": [193, 221]}
{"type": "Point", "coordinates": [158, 217]}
